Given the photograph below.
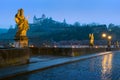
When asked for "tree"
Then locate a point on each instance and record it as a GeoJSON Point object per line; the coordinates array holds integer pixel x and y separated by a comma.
{"type": "Point", "coordinates": [77, 24]}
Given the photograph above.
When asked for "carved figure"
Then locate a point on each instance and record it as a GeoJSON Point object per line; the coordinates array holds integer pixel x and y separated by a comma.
{"type": "Point", "coordinates": [91, 36]}
{"type": "Point", "coordinates": [22, 23]}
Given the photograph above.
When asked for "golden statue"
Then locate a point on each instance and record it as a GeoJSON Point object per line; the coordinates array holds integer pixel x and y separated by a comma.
{"type": "Point", "coordinates": [91, 36]}
{"type": "Point", "coordinates": [22, 24]}
{"type": "Point", "coordinates": [21, 39]}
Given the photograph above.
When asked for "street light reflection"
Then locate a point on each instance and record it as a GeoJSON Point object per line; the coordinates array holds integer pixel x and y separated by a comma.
{"type": "Point", "coordinates": [106, 64]}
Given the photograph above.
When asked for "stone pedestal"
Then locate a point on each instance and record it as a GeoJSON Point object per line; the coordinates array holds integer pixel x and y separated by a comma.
{"type": "Point", "coordinates": [21, 42]}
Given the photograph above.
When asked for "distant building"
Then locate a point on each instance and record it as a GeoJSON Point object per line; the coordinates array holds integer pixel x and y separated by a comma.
{"type": "Point", "coordinates": [39, 20]}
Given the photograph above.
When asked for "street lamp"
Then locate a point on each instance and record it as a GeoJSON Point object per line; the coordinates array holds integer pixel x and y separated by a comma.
{"type": "Point", "coordinates": [109, 41]}
{"type": "Point", "coordinates": [104, 35]}
{"type": "Point", "coordinates": [108, 37]}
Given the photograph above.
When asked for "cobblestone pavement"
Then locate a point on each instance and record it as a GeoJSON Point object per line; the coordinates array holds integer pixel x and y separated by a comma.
{"type": "Point", "coordinates": [105, 67]}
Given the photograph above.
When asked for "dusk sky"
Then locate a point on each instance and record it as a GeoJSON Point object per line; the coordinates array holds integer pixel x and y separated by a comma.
{"type": "Point", "coordinates": [83, 11]}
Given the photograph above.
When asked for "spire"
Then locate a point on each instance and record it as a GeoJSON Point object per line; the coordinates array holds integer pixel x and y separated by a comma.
{"type": "Point", "coordinates": [64, 21]}
{"type": "Point", "coordinates": [43, 16]}
{"type": "Point", "coordinates": [34, 19]}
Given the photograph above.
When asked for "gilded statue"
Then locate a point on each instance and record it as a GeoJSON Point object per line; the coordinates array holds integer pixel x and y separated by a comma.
{"type": "Point", "coordinates": [91, 36]}
{"type": "Point", "coordinates": [22, 24]}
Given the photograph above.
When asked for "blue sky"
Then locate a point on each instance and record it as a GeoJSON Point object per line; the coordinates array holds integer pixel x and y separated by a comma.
{"type": "Point", "coordinates": [83, 11]}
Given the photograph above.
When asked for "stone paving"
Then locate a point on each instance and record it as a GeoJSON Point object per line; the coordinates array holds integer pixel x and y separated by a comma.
{"type": "Point", "coordinates": [105, 67]}
{"type": "Point", "coordinates": [41, 63]}
{"type": "Point", "coordinates": [36, 62]}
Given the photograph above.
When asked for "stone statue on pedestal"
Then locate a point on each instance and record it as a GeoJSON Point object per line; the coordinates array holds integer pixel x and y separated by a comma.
{"type": "Point", "coordinates": [91, 43]}
{"type": "Point", "coordinates": [22, 27]}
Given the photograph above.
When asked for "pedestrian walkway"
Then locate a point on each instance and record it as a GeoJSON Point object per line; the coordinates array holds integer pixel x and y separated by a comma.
{"type": "Point", "coordinates": [42, 63]}
{"type": "Point", "coordinates": [104, 67]}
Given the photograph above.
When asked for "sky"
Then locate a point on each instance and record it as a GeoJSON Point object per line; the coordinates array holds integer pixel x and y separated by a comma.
{"type": "Point", "coordinates": [83, 11]}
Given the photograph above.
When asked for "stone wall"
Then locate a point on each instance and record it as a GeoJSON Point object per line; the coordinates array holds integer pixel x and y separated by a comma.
{"type": "Point", "coordinates": [13, 56]}
{"type": "Point", "coordinates": [21, 56]}
{"type": "Point", "coordinates": [51, 51]}
{"type": "Point", "coordinates": [67, 51]}
{"type": "Point", "coordinates": [84, 51]}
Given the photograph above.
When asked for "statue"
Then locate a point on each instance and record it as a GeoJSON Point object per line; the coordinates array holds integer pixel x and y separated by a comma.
{"type": "Point", "coordinates": [117, 44]}
{"type": "Point", "coordinates": [21, 39]}
{"type": "Point", "coordinates": [91, 36]}
{"type": "Point", "coordinates": [22, 24]}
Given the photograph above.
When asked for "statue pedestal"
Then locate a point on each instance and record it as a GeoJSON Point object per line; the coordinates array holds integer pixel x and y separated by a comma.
{"type": "Point", "coordinates": [21, 42]}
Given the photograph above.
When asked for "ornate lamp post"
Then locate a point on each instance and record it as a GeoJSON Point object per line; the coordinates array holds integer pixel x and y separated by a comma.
{"type": "Point", "coordinates": [109, 38]}
{"type": "Point", "coordinates": [109, 41]}
{"type": "Point", "coordinates": [104, 35]}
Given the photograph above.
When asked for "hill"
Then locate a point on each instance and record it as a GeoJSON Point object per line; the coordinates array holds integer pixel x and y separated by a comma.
{"type": "Point", "coordinates": [47, 29]}
{"type": "Point", "coordinates": [3, 30]}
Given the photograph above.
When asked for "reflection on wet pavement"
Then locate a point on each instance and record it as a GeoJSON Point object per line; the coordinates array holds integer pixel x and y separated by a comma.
{"type": "Point", "coordinates": [43, 58]}
{"type": "Point", "coordinates": [105, 67]}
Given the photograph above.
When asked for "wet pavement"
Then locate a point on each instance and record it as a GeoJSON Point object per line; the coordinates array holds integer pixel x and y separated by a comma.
{"type": "Point", "coordinates": [104, 67]}
{"type": "Point", "coordinates": [36, 62]}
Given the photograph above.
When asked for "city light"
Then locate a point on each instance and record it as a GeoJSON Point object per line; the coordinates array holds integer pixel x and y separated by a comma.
{"type": "Point", "coordinates": [104, 35]}
{"type": "Point", "coordinates": [109, 37]}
